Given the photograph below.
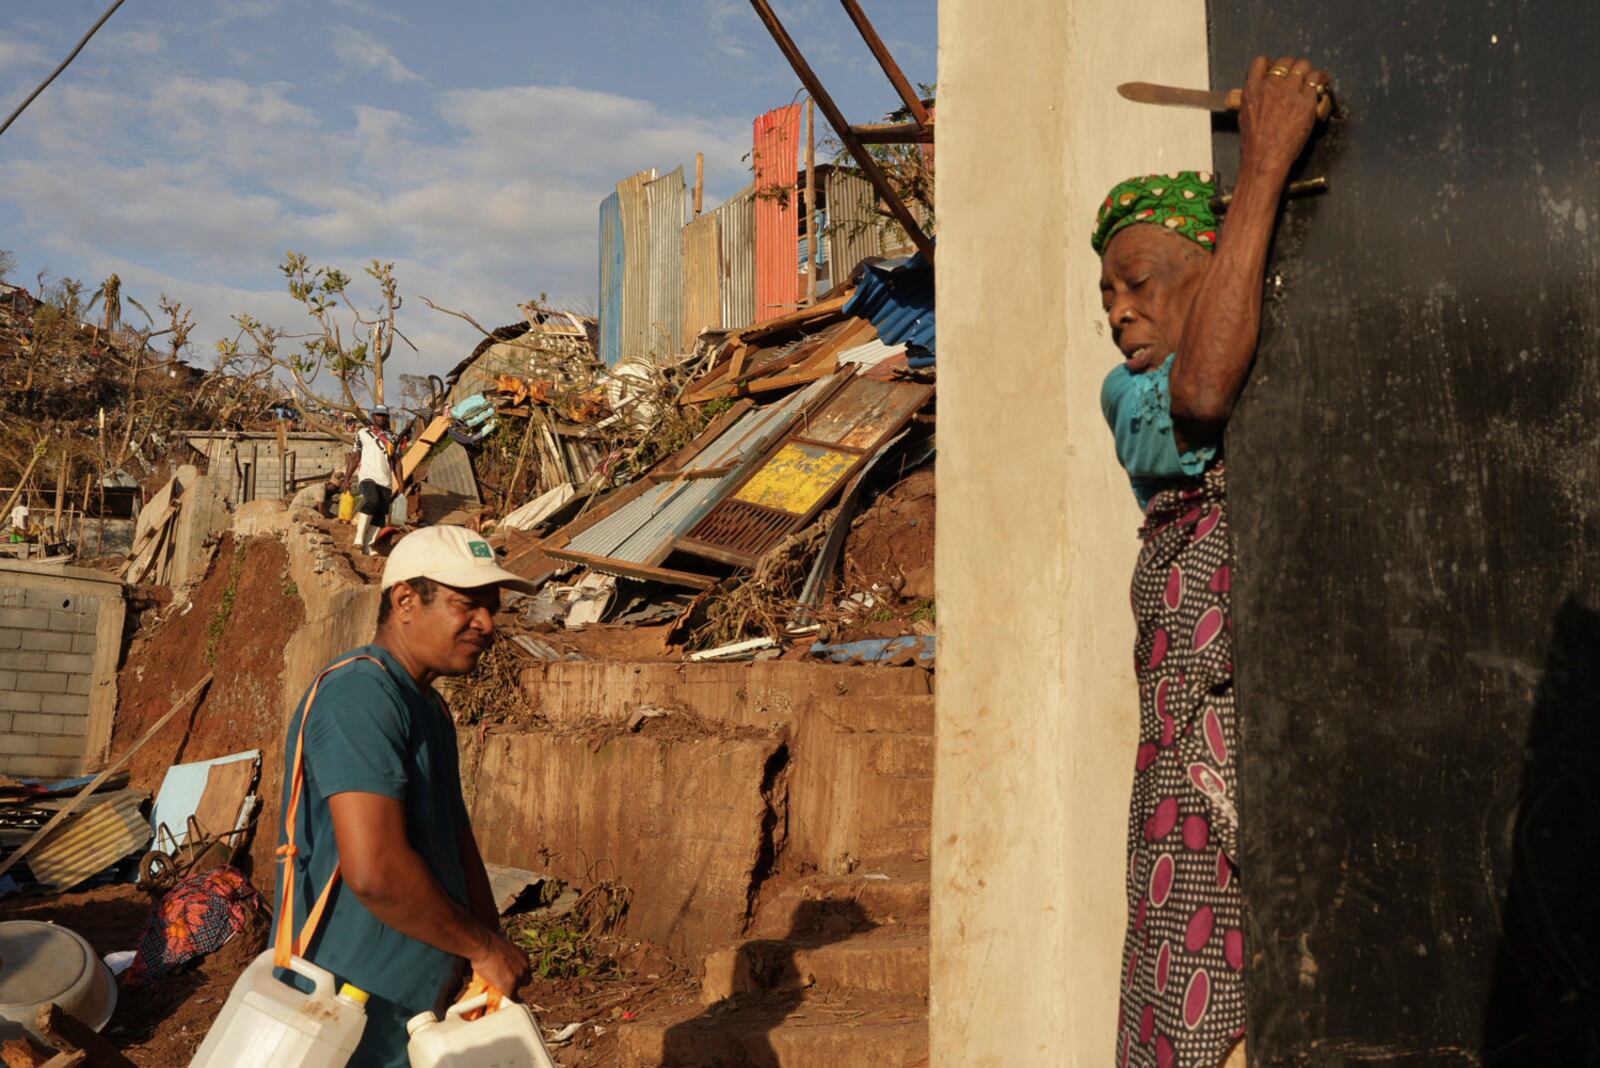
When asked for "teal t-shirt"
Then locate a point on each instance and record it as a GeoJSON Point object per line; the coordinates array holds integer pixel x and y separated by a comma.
{"type": "Point", "coordinates": [377, 731]}
{"type": "Point", "coordinates": [1138, 408]}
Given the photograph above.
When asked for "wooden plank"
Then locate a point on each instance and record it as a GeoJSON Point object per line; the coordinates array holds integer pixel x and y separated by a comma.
{"type": "Point", "coordinates": [226, 787]}
{"type": "Point", "coordinates": [638, 571]}
{"type": "Point", "coordinates": [418, 451]}
{"type": "Point", "coordinates": [141, 563]}
{"type": "Point", "coordinates": [64, 1030]}
{"type": "Point", "coordinates": [94, 784]}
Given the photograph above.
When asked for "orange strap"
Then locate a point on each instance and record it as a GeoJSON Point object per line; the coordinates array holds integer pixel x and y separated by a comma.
{"type": "Point", "coordinates": [286, 944]}
{"type": "Point", "coordinates": [480, 985]}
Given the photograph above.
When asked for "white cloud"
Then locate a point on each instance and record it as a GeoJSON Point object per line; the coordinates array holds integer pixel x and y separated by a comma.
{"type": "Point", "coordinates": [197, 187]}
{"type": "Point", "coordinates": [16, 53]}
{"type": "Point", "coordinates": [367, 55]}
{"type": "Point", "coordinates": [138, 42]}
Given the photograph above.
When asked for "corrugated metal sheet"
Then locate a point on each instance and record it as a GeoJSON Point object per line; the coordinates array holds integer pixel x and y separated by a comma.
{"type": "Point", "coordinates": [873, 352]}
{"type": "Point", "coordinates": [775, 155]}
{"type": "Point", "coordinates": [898, 297]}
{"type": "Point", "coordinates": [611, 280]}
{"type": "Point", "coordinates": [638, 531]}
{"type": "Point", "coordinates": [702, 278]}
{"type": "Point", "coordinates": [668, 205]}
{"type": "Point", "coordinates": [92, 842]}
{"type": "Point", "coordinates": [635, 214]}
{"type": "Point", "coordinates": [855, 229]}
{"type": "Point", "coordinates": [737, 223]}
{"type": "Point", "coordinates": [451, 472]}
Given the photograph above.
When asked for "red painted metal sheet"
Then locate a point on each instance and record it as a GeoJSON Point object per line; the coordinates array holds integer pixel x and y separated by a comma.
{"type": "Point", "coordinates": [775, 154]}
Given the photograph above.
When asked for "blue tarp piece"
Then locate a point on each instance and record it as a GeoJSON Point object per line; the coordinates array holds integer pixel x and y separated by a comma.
{"type": "Point", "coordinates": [611, 280]}
{"type": "Point", "coordinates": [880, 650]}
{"type": "Point", "coordinates": [897, 296]}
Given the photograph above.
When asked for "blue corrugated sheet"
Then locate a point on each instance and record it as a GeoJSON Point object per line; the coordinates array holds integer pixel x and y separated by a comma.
{"type": "Point", "coordinates": [611, 280]}
{"type": "Point", "coordinates": [897, 296]}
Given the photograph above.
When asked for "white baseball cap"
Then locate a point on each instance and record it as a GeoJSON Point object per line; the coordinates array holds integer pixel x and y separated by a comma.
{"type": "Point", "coordinates": [454, 556]}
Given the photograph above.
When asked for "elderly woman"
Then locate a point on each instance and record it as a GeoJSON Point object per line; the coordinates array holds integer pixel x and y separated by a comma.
{"type": "Point", "coordinates": [1184, 300]}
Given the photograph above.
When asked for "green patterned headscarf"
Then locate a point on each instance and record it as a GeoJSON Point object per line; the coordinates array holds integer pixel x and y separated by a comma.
{"type": "Point", "coordinates": [1181, 202]}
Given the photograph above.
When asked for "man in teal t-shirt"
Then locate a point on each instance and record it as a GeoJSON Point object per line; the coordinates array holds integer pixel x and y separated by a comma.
{"type": "Point", "coordinates": [382, 799]}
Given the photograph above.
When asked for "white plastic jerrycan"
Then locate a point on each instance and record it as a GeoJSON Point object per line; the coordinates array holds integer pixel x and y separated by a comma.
{"type": "Point", "coordinates": [505, 1038]}
{"type": "Point", "coordinates": [269, 1024]}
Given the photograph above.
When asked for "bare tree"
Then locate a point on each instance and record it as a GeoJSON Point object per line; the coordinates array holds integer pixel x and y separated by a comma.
{"type": "Point", "coordinates": [340, 362]}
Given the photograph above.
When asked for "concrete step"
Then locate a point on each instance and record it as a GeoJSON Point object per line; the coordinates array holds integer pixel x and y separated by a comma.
{"type": "Point", "coordinates": [782, 1032]}
{"type": "Point", "coordinates": [890, 959]}
{"type": "Point", "coordinates": [897, 895]}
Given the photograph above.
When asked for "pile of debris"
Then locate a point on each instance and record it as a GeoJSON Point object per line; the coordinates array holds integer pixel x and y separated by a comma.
{"type": "Point", "coordinates": [732, 543]}
{"type": "Point", "coordinates": [94, 831]}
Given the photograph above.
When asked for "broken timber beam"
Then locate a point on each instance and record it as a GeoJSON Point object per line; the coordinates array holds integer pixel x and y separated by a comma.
{"type": "Point", "coordinates": [880, 52]}
{"type": "Point", "coordinates": [841, 126]}
{"type": "Point", "coordinates": [896, 133]}
{"type": "Point", "coordinates": [66, 1031]}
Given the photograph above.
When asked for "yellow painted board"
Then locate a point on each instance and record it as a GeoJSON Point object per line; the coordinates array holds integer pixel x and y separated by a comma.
{"type": "Point", "coordinates": [797, 478]}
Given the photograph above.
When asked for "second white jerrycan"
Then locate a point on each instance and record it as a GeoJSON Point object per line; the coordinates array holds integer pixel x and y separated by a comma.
{"type": "Point", "coordinates": [508, 1037]}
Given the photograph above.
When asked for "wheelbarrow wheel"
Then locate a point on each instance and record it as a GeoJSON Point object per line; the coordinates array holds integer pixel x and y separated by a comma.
{"type": "Point", "coordinates": [157, 872]}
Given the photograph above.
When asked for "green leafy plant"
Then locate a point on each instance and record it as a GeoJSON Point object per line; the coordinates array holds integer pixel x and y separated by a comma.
{"type": "Point", "coordinates": [219, 618]}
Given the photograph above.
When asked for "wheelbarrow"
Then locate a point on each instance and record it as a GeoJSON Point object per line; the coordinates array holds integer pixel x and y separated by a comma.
{"type": "Point", "coordinates": [162, 867]}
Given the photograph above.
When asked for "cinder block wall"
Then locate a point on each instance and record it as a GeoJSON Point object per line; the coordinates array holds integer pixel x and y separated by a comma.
{"type": "Point", "coordinates": [60, 636]}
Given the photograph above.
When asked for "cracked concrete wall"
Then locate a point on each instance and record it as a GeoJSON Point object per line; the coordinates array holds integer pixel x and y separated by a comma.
{"type": "Point", "coordinates": [1037, 707]}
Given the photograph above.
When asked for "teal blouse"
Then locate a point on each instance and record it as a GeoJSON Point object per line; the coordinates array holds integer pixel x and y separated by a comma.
{"type": "Point", "coordinates": [1138, 408]}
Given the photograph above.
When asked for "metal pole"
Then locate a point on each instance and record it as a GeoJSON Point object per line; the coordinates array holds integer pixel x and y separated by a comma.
{"type": "Point", "coordinates": [841, 126]}
{"type": "Point", "coordinates": [880, 52]}
{"type": "Point", "coordinates": [811, 202]}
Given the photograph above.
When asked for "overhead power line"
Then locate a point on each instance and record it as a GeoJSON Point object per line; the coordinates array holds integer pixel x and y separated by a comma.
{"type": "Point", "coordinates": [70, 57]}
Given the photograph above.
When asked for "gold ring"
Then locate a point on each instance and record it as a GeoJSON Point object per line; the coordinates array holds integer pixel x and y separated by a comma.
{"type": "Point", "coordinates": [1279, 72]}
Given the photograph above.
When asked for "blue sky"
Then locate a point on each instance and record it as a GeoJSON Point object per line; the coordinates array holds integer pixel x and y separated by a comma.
{"type": "Point", "coordinates": [192, 142]}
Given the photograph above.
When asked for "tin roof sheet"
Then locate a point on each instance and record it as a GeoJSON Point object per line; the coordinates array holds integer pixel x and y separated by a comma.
{"type": "Point", "coordinates": [611, 279]}
{"type": "Point", "coordinates": [637, 532]}
{"type": "Point", "coordinates": [702, 278]}
{"type": "Point", "coordinates": [775, 156]}
{"type": "Point", "coordinates": [737, 221]}
{"type": "Point", "coordinates": [667, 204]}
{"type": "Point", "coordinates": [635, 213]}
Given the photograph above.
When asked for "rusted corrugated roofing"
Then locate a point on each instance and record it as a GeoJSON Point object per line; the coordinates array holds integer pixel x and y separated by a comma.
{"type": "Point", "coordinates": [702, 278]}
{"type": "Point", "coordinates": [775, 156]}
{"type": "Point", "coordinates": [91, 843]}
{"type": "Point", "coordinates": [737, 223]}
{"type": "Point", "coordinates": [635, 214]}
{"type": "Point", "coordinates": [611, 280]}
{"type": "Point", "coordinates": [855, 228]}
{"type": "Point", "coordinates": [667, 206]}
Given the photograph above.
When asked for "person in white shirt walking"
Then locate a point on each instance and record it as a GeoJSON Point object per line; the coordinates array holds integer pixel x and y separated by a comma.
{"type": "Point", "coordinates": [373, 465]}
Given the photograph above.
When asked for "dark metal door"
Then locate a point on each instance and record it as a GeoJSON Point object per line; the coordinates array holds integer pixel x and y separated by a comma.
{"type": "Point", "coordinates": [1415, 485]}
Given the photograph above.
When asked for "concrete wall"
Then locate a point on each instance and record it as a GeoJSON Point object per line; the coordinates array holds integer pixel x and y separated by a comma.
{"type": "Point", "coordinates": [1037, 708]}
{"type": "Point", "coordinates": [315, 456]}
{"type": "Point", "coordinates": [60, 636]}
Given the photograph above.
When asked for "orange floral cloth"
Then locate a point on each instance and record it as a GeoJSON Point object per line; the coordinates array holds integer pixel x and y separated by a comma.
{"type": "Point", "coordinates": [194, 918]}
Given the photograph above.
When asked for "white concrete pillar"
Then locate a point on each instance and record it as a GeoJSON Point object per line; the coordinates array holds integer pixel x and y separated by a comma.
{"type": "Point", "coordinates": [1038, 710]}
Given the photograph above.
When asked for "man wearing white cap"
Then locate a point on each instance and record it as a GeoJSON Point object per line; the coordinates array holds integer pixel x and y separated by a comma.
{"type": "Point", "coordinates": [381, 799]}
{"type": "Point", "coordinates": [373, 464]}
